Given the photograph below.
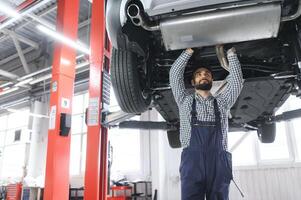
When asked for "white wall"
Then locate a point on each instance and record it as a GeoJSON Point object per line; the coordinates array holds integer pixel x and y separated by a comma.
{"type": "Point", "coordinates": [268, 184]}
{"type": "Point", "coordinates": [165, 167]}
{"type": "Point", "coordinates": [38, 146]}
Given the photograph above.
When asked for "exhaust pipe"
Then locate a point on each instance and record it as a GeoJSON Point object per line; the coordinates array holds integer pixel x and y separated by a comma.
{"type": "Point", "coordinates": [134, 12]}
{"type": "Point", "coordinates": [221, 56]}
{"type": "Point", "coordinates": [224, 64]}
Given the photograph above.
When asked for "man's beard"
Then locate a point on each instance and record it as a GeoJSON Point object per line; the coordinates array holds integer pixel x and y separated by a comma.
{"type": "Point", "coordinates": [203, 86]}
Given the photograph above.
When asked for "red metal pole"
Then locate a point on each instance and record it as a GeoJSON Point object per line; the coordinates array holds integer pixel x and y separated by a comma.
{"type": "Point", "coordinates": [97, 139]}
{"type": "Point", "coordinates": [61, 93]}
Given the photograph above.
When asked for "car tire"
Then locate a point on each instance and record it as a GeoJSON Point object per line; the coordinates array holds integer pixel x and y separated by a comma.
{"type": "Point", "coordinates": [174, 139]}
{"type": "Point", "coordinates": [127, 81]}
{"type": "Point", "coordinates": [266, 132]}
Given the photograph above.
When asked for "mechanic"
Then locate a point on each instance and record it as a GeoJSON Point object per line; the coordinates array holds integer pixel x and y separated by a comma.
{"type": "Point", "coordinates": [206, 165]}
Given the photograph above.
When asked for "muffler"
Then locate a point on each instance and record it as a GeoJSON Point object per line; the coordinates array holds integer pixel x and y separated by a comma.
{"type": "Point", "coordinates": [229, 25]}
{"type": "Point", "coordinates": [221, 27]}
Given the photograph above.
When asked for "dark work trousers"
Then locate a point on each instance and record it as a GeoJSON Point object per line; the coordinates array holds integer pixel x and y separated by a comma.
{"type": "Point", "coordinates": [205, 169]}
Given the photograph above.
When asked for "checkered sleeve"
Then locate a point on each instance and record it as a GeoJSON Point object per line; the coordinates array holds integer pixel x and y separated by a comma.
{"type": "Point", "coordinates": [176, 77]}
{"type": "Point", "coordinates": [235, 82]}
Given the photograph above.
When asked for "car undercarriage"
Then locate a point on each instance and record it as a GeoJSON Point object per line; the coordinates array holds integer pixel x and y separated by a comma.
{"type": "Point", "coordinates": [270, 63]}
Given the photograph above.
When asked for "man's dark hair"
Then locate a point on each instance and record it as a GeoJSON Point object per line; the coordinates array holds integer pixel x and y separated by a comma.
{"type": "Point", "coordinates": [196, 68]}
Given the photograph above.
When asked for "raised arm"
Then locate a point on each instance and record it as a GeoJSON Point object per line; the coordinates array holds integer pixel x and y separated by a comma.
{"type": "Point", "coordinates": [235, 81]}
{"type": "Point", "coordinates": [176, 76]}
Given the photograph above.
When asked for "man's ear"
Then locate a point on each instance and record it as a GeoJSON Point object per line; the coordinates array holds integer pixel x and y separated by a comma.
{"type": "Point", "coordinates": [192, 82]}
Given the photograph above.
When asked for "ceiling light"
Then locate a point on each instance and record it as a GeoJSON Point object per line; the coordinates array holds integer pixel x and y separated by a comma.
{"type": "Point", "coordinates": [6, 84]}
{"type": "Point", "coordinates": [26, 12]}
{"type": "Point", "coordinates": [8, 90]}
{"type": "Point", "coordinates": [9, 11]}
{"type": "Point", "coordinates": [65, 40]}
{"type": "Point", "coordinates": [40, 79]}
{"type": "Point", "coordinates": [26, 81]}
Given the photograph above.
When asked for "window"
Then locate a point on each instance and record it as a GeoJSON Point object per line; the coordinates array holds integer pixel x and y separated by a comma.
{"type": "Point", "coordinates": [75, 155]}
{"type": "Point", "coordinates": [2, 138]}
{"type": "Point", "coordinates": [297, 138]}
{"type": "Point", "coordinates": [77, 104]}
{"type": "Point", "coordinates": [126, 150]}
{"type": "Point", "coordinates": [244, 153]}
{"type": "Point", "coordinates": [77, 123]}
{"type": "Point", "coordinates": [277, 150]}
{"type": "Point", "coordinates": [13, 161]}
{"type": "Point", "coordinates": [17, 135]}
{"type": "Point", "coordinates": [3, 122]}
{"type": "Point", "coordinates": [13, 149]}
{"type": "Point", "coordinates": [83, 153]}
{"type": "Point", "coordinates": [252, 152]}
{"type": "Point", "coordinates": [78, 137]}
{"type": "Point", "coordinates": [295, 103]}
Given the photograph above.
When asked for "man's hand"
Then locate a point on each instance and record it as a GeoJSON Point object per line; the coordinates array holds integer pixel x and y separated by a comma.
{"type": "Point", "coordinates": [231, 51]}
{"type": "Point", "coordinates": [190, 51]}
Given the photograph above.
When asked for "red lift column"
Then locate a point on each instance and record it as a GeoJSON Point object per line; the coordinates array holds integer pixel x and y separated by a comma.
{"type": "Point", "coordinates": [96, 157]}
{"type": "Point", "coordinates": [61, 93]}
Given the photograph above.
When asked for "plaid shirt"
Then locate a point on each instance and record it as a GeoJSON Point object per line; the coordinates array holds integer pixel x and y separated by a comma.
{"type": "Point", "coordinates": [205, 109]}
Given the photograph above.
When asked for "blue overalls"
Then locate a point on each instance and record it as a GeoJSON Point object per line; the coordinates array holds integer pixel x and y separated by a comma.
{"type": "Point", "coordinates": [205, 169]}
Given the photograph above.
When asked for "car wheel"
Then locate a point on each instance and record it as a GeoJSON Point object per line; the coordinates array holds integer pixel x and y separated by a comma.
{"type": "Point", "coordinates": [128, 82]}
{"type": "Point", "coordinates": [266, 132]}
{"type": "Point", "coordinates": [174, 139]}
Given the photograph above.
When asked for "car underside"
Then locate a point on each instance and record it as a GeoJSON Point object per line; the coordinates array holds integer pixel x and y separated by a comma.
{"type": "Point", "coordinates": [149, 40]}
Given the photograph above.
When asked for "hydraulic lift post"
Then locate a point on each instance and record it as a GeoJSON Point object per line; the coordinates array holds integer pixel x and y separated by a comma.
{"type": "Point", "coordinates": [61, 93]}
{"type": "Point", "coordinates": [99, 92]}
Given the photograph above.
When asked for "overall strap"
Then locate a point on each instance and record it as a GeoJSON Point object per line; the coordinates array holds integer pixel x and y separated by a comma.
{"type": "Point", "coordinates": [193, 112]}
{"type": "Point", "coordinates": [217, 115]}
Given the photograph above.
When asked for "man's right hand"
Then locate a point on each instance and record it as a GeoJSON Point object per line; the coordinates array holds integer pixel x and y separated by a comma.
{"type": "Point", "coordinates": [190, 51]}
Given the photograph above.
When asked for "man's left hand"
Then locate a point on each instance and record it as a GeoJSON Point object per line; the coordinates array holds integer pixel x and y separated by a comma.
{"type": "Point", "coordinates": [231, 51]}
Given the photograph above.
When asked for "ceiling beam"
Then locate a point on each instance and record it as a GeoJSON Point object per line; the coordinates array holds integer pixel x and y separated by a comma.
{"type": "Point", "coordinates": [14, 56]}
{"type": "Point", "coordinates": [42, 21]}
{"type": "Point", "coordinates": [20, 38]}
{"type": "Point", "coordinates": [8, 75]}
{"type": "Point", "coordinates": [20, 53]}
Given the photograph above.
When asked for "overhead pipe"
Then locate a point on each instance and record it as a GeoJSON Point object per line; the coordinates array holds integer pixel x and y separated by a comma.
{"type": "Point", "coordinates": [224, 64]}
{"type": "Point", "coordinates": [221, 57]}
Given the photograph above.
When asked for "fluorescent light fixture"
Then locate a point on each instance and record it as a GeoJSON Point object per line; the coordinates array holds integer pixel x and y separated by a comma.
{"type": "Point", "coordinates": [40, 79]}
{"type": "Point", "coordinates": [26, 81]}
{"type": "Point", "coordinates": [9, 11]}
{"type": "Point", "coordinates": [61, 38]}
{"type": "Point", "coordinates": [6, 84]}
{"type": "Point", "coordinates": [26, 12]}
{"type": "Point", "coordinates": [8, 90]}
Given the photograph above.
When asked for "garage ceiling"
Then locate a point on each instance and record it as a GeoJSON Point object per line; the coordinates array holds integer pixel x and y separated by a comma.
{"type": "Point", "coordinates": [29, 77]}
